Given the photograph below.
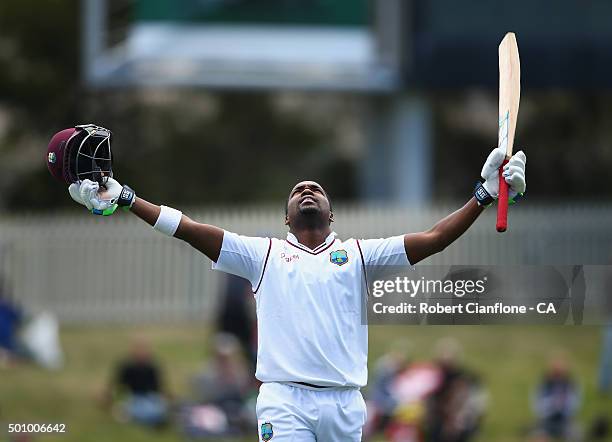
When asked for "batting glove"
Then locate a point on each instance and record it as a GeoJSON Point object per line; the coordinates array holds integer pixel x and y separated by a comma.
{"type": "Point", "coordinates": [513, 172]}
{"type": "Point", "coordinates": [102, 201]}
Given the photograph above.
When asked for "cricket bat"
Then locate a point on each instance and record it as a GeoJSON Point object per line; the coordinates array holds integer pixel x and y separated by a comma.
{"type": "Point", "coordinates": [509, 98]}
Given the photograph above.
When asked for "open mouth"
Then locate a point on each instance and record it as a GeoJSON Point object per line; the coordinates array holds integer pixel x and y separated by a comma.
{"type": "Point", "coordinates": [307, 199]}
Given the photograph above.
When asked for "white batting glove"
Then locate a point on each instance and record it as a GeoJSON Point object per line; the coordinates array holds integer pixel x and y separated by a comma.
{"type": "Point", "coordinates": [75, 193]}
{"type": "Point", "coordinates": [97, 201]}
{"type": "Point", "coordinates": [513, 173]}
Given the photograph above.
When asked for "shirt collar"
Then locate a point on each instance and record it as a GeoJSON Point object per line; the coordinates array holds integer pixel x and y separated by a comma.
{"type": "Point", "coordinates": [330, 239]}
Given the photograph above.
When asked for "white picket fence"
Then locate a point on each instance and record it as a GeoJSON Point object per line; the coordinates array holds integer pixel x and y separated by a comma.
{"type": "Point", "coordinates": [117, 269]}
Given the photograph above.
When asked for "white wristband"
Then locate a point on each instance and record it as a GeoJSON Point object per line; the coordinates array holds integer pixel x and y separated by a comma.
{"type": "Point", "coordinates": [168, 220]}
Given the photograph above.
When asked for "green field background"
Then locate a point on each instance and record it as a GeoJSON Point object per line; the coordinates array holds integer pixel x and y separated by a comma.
{"type": "Point", "coordinates": [509, 359]}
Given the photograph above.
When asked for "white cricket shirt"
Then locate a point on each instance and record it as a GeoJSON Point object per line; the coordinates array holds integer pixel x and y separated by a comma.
{"type": "Point", "coordinates": [309, 303]}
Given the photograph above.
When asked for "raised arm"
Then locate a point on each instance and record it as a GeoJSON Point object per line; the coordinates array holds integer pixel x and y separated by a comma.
{"type": "Point", "coordinates": [421, 245]}
{"type": "Point", "coordinates": [204, 237]}
{"type": "Point", "coordinates": [104, 201]}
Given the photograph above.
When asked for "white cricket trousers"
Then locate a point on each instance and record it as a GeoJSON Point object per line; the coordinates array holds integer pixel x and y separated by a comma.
{"type": "Point", "coordinates": [286, 413]}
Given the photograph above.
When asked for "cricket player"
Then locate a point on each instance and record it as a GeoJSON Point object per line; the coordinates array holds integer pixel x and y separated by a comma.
{"type": "Point", "coordinates": [312, 347]}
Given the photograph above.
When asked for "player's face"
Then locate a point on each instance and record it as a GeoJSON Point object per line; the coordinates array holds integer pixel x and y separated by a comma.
{"type": "Point", "coordinates": [308, 200]}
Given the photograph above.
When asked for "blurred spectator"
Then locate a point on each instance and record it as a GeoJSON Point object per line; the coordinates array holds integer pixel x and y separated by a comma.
{"type": "Point", "coordinates": [138, 381]}
{"type": "Point", "coordinates": [382, 401]}
{"type": "Point", "coordinates": [10, 321]}
{"type": "Point", "coordinates": [235, 315]}
{"type": "Point", "coordinates": [422, 401]}
{"type": "Point", "coordinates": [556, 402]}
{"type": "Point", "coordinates": [40, 337]}
{"type": "Point", "coordinates": [226, 379]}
{"type": "Point", "coordinates": [411, 389]}
{"type": "Point", "coordinates": [456, 408]}
{"type": "Point", "coordinates": [28, 339]}
{"type": "Point", "coordinates": [220, 393]}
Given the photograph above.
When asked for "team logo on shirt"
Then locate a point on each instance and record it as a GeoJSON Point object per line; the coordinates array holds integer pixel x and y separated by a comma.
{"type": "Point", "coordinates": [266, 431]}
{"type": "Point", "coordinates": [338, 257]}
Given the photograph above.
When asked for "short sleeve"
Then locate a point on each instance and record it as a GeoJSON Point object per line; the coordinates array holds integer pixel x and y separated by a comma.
{"type": "Point", "coordinates": [384, 251]}
{"type": "Point", "coordinates": [243, 256]}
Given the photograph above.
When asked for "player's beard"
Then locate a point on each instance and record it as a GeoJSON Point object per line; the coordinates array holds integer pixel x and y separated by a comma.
{"type": "Point", "coordinates": [309, 218]}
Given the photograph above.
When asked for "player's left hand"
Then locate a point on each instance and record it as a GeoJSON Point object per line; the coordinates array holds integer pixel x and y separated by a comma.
{"type": "Point", "coordinates": [99, 201]}
{"type": "Point", "coordinates": [513, 173]}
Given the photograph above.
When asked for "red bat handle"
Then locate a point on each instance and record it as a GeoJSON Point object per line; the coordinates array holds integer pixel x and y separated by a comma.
{"type": "Point", "coordinates": [502, 202]}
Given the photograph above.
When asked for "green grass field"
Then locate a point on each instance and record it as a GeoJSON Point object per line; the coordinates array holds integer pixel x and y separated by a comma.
{"type": "Point", "coordinates": [510, 360]}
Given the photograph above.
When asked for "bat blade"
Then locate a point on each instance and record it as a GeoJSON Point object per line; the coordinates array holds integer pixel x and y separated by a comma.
{"type": "Point", "coordinates": [509, 99]}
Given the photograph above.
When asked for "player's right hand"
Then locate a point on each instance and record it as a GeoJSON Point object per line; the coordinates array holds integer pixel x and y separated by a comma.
{"type": "Point", "coordinates": [88, 194]}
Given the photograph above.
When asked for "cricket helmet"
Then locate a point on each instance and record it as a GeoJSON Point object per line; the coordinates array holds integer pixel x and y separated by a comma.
{"type": "Point", "coordinates": [81, 152]}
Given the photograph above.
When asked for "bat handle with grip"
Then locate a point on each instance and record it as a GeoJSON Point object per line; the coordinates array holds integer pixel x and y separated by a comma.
{"type": "Point", "coordinates": [502, 202]}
